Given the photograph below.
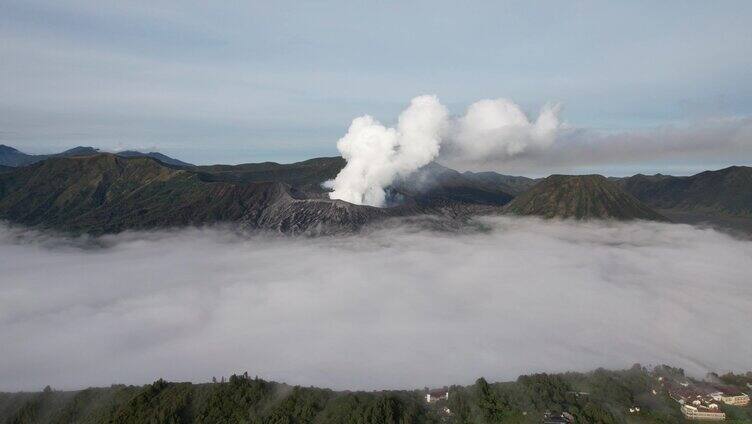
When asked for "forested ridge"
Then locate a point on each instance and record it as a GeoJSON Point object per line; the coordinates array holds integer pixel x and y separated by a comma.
{"type": "Point", "coordinates": [600, 396]}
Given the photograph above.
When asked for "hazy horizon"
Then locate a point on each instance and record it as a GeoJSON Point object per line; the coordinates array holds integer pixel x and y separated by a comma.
{"type": "Point", "coordinates": [679, 171]}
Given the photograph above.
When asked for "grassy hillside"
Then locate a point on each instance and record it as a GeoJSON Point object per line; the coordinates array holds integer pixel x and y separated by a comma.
{"type": "Point", "coordinates": [727, 191]}
{"type": "Point", "coordinates": [580, 197]}
{"type": "Point", "coordinates": [106, 193]}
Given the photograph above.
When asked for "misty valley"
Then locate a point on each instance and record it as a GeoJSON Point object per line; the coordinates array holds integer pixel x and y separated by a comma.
{"type": "Point", "coordinates": [375, 212]}
{"type": "Point", "coordinates": [405, 303]}
{"type": "Point", "coordinates": [191, 272]}
{"type": "Point", "coordinates": [158, 267]}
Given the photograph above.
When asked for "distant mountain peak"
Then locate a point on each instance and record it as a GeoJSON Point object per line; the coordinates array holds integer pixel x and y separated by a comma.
{"type": "Point", "coordinates": [154, 155]}
{"type": "Point", "coordinates": [12, 157]}
{"type": "Point", "coordinates": [7, 149]}
{"type": "Point", "coordinates": [80, 151]}
{"type": "Point", "coordinates": [580, 197]}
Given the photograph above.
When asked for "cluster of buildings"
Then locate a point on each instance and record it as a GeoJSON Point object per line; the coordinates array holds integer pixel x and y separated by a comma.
{"type": "Point", "coordinates": [695, 405]}
{"type": "Point", "coordinates": [697, 400]}
{"type": "Point", "coordinates": [437, 395]}
{"type": "Point", "coordinates": [730, 396]}
{"type": "Point", "coordinates": [701, 401]}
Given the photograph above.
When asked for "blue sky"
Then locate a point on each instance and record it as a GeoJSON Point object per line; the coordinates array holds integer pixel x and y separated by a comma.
{"type": "Point", "coordinates": [250, 81]}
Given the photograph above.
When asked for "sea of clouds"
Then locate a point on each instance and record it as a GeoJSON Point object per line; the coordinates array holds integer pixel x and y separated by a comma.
{"type": "Point", "coordinates": [397, 306]}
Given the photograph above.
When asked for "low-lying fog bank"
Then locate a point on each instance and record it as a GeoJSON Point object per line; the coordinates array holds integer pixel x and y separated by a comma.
{"type": "Point", "coordinates": [399, 307]}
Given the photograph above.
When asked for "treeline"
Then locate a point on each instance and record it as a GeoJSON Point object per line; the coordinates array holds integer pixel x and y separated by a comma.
{"type": "Point", "coordinates": [239, 400]}
{"type": "Point", "coordinates": [597, 397]}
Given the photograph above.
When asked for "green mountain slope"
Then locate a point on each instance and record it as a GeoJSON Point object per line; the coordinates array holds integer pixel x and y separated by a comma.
{"type": "Point", "coordinates": [727, 191]}
{"type": "Point", "coordinates": [107, 193]}
{"type": "Point", "coordinates": [721, 198]}
{"type": "Point", "coordinates": [580, 197]}
{"type": "Point", "coordinates": [102, 193]}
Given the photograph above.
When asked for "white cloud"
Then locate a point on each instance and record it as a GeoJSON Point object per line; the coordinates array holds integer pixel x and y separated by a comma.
{"type": "Point", "coordinates": [499, 129]}
{"type": "Point", "coordinates": [377, 156]}
{"type": "Point", "coordinates": [707, 143]}
{"type": "Point", "coordinates": [395, 307]}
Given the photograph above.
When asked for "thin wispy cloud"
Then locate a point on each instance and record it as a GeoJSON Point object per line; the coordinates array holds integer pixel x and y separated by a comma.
{"type": "Point", "coordinates": [694, 147]}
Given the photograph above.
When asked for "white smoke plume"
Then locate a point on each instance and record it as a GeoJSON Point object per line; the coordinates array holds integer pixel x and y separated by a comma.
{"type": "Point", "coordinates": [696, 146]}
{"type": "Point", "coordinates": [500, 129]}
{"type": "Point", "coordinates": [377, 155]}
{"type": "Point", "coordinates": [496, 135]}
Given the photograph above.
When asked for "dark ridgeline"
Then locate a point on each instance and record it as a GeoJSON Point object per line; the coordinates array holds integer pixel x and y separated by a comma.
{"type": "Point", "coordinates": [305, 176]}
{"type": "Point", "coordinates": [11, 157]}
{"type": "Point", "coordinates": [722, 197]}
{"type": "Point", "coordinates": [106, 193]}
{"type": "Point", "coordinates": [85, 191]}
{"type": "Point", "coordinates": [511, 184]}
{"type": "Point", "coordinates": [728, 190]}
{"type": "Point", "coordinates": [603, 397]}
{"type": "Point", "coordinates": [154, 155]}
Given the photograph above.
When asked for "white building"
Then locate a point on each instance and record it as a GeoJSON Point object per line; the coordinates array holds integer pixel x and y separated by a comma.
{"type": "Point", "coordinates": [702, 412]}
{"type": "Point", "coordinates": [696, 406]}
{"type": "Point", "coordinates": [437, 395]}
{"type": "Point", "coordinates": [738, 399]}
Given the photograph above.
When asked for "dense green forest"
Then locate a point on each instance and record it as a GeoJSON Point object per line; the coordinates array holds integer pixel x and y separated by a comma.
{"type": "Point", "coordinates": [600, 396]}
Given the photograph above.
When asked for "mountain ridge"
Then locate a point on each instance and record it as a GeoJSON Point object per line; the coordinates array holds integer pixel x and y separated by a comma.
{"type": "Point", "coordinates": [580, 197]}
{"type": "Point", "coordinates": [12, 157]}
{"type": "Point", "coordinates": [720, 198]}
{"type": "Point", "coordinates": [727, 190]}
{"type": "Point", "coordinates": [106, 193]}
